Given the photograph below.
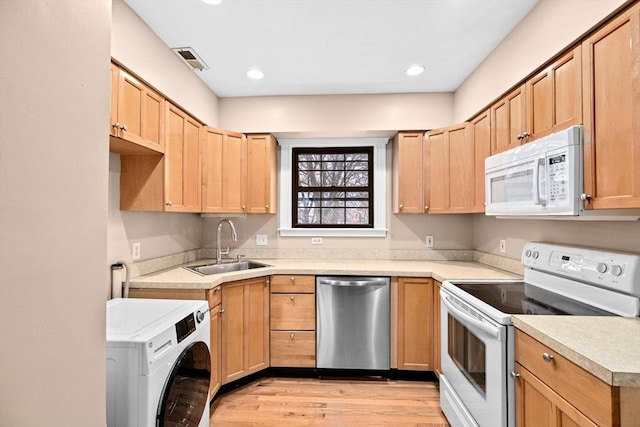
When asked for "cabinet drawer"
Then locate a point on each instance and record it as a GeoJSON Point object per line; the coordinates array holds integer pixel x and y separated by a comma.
{"type": "Point", "coordinates": [214, 296]}
{"type": "Point", "coordinates": [293, 283]}
{"type": "Point", "coordinates": [293, 312]}
{"type": "Point", "coordinates": [293, 349]}
{"type": "Point", "coordinates": [588, 394]}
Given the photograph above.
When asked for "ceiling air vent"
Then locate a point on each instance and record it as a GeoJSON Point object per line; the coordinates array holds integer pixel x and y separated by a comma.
{"type": "Point", "coordinates": [191, 58]}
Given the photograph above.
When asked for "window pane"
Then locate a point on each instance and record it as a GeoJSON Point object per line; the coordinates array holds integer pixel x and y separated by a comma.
{"type": "Point", "coordinates": [356, 156]}
{"type": "Point", "coordinates": [357, 216]}
{"type": "Point", "coordinates": [357, 204]}
{"type": "Point", "coordinates": [357, 179]}
{"type": "Point", "coordinates": [362, 166]}
{"type": "Point", "coordinates": [333, 178]}
{"type": "Point", "coordinates": [309, 199]}
{"type": "Point", "coordinates": [334, 157]}
{"type": "Point", "coordinates": [333, 216]}
{"type": "Point", "coordinates": [309, 166]}
{"type": "Point", "coordinates": [333, 203]}
{"type": "Point", "coordinates": [309, 179]}
{"type": "Point", "coordinates": [357, 195]}
{"type": "Point", "coordinates": [306, 157]}
{"type": "Point", "coordinates": [309, 215]}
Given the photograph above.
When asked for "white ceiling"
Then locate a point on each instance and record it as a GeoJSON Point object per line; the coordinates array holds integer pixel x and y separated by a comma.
{"type": "Point", "coordinates": [312, 47]}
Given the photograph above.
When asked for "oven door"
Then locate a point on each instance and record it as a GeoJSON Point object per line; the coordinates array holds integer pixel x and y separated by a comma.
{"type": "Point", "coordinates": [474, 366]}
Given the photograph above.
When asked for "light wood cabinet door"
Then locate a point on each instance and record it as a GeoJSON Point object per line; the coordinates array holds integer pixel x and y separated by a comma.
{"type": "Point", "coordinates": [437, 357]}
{"type": "Point", "coordinates": [415, 324]}
{"type": "Point", "coordinates": [408, 187]}
{"type": "Point", "coordinates": [295, 283]}
{"type": "Point", "coordinates": [137, 115]}
{"type": "Point", "coordinates": [224, 171]}
{"type": "Point", "coordinates": [215, 347]}
{"type": "Point", "coordinates": [554, 96]}
{"type": "Point", "coordinates": [508, 121]}
{"type": "Point", "coordinates": [245, 328]}
{"type": "Point", "coordinates": [293, 349]}
{"type": "Point", "coordinates": [449, 165]}
{"type": "Point", "coordinates": [611, 78]}
{"type": "Point", "coordinates": [182, 162]}
{"type": "Point", "coordinates": [481, 131]}
{"type": "Point", "coordinates": [293, 312]}
{"type": "Point", "coordinates": [261, 174]}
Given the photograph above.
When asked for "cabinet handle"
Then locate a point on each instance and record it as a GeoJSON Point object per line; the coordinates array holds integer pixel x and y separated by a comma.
{"type": "Point", "coordinates": [124, 128]}
{"type": "Point", "coordinates": [292, 335]}
{"type": "Point", "coordinates": [266, 207]}
{"type": "Point", "coordinates": [515, 375]}
{"type": "Point", "coordinates": [401, 207]}
{"type": "Point", "coordinates": [519, 137]}
{"type": "Point", "coordinates": [526, 135]}
{"type": "Point", "coordinates": [169, 203]}
{"type": "Point", "coordinates": [244, 208]}
{"type": "Point", "coordinates": [426, 208]}
{"type": "Point", "coordinates": [547, 357]}
{"type": "Point", "coordinates": [292, 298]}
{"type": "Point", "coordinates": [217, 289]}
{"type": "Point", "coordinates": [221, 310]}
{"type": "Point", "coordinates": [585, 197]}
{"type": "Point", "coordinates": [116, 125]}
{"type": "Point", "coordinates": [267, 282]}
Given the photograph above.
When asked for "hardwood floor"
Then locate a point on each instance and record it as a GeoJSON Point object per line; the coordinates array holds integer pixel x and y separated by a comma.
{"type": "Point", "coordinates": [330, 402]}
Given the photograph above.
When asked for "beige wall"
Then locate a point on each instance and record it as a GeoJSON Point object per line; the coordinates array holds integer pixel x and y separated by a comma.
{"type": "Point", "coordinates": [337, 115]}
{"type": "Point", "coordinates": [551, 26]}
{"type": "Point", "coordinates": [53, 217]}
{"type": "Point", "coordinates": [134, 45]}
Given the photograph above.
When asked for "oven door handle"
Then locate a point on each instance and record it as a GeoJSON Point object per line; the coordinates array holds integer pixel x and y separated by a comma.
{"type": "Point", "coordinates": [495, 332]}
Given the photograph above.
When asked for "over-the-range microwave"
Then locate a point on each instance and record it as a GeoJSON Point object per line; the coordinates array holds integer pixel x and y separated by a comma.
{"type": "Point", "coordinates": [543, 179]}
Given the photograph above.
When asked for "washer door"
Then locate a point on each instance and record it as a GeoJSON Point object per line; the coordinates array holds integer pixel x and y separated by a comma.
{"type": "Point", "coordinates": [186, 393]}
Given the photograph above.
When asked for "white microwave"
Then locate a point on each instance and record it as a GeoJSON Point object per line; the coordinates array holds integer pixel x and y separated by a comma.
{"type": "Point", "coordinates": [544, 179]}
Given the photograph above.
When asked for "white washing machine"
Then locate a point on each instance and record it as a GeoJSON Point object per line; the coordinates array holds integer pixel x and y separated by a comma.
{"type": "Point", "coordinates": [158, 363]}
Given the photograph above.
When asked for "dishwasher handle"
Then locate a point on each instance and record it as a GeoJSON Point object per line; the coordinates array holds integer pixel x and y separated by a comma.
{"type": "Point", "coordinates": [370, 281]}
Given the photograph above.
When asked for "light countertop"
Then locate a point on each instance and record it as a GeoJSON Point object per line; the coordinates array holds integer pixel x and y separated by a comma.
{"type": "Point", "coordinates": [607, 347]}
{"type": "Point", "coordinates": [181, 278]}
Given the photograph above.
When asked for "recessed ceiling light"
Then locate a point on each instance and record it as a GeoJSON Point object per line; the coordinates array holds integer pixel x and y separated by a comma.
{"type": "Point", "coordinates": [415, 70]}
{"type": "Point", "coordinates": [255, 74]}
{"type": "Point", "coordinates": [213, 2]}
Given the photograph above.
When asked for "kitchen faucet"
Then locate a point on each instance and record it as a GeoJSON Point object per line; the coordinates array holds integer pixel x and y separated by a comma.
{"type": "Point", "coordinates": [234, 238]}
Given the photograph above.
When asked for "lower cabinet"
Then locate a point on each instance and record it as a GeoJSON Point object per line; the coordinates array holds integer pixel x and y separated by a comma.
{"type": "Point", "coordinates": [553, 391]}
{"type": "Point", "coordinates": [245, 328]}
{"type": "Point", "coordinates": [415, 324]}
{"type": "Point", "coordinates": [293, 321]}
{"type": "Point", "coordinates": [437, 357]}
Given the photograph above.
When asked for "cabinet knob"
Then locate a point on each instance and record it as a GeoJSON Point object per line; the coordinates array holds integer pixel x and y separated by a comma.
{"type": "Point", "coordinates": [547, 357]}
{"type": "Point", "coordinates": [266, 207]}
{"type": "Point", "coordinates": [116, 125]}
{"type": "Point", "coordinates": [221, 310]}
{"type": "Point", "coordinates": [401, 207]}
{"type": "Point", "coordinates": [124, 128]}
{"type": "Point", "coordinates": [514, 375]}
{"type": "Point", "coordinates": [267, 282]}
{"type": "Point", "coordinates": [169, 203]}
{"type": "Point", "coordinates": [244, 208]}
{"type": "Point", "coordinates": [292, 298]}
{"type": "Point", "coordinates": [292, 335]}
{"type": "Point", "coordinates": [216, 289]}
{"type": "Point", "coordinates": [519, 137]}
{"type": "Point", "coordinates": [426, 208]}
{"type": "Point", "coordinates": [292, 279]}
{"type": "Point", "coordinates": [585, 197]}
{"type": "Point", "coordinates": [526, 135]}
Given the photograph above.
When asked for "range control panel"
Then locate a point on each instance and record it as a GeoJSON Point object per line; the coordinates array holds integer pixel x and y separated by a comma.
{"type": "Point", "coordinates": [613, 270]}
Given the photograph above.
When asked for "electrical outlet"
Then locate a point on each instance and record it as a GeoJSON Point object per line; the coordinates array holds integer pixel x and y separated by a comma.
{"type": "Point", "coordinates": [429, 241]}
{"type": "Point", "coordinates": [316, 240]}
{"type": "Point", "coordinates": [135, 251]}
{"type": "Point", "coordinates": [503, 246]}
{"type": "Point", "coordinates": [261, 240]}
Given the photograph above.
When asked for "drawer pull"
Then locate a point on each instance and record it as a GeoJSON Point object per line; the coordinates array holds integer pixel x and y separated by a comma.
{"type": "Point", "coordinates": [547, 357]}
{"type": "Point", "coordinates": [292, 335]}
{"type": "Point", "coordinates": [515, 375]}
{"type": "Point", "coordinates": [293, 280]}
{"type": "Point", "coordinates": [292, 298]}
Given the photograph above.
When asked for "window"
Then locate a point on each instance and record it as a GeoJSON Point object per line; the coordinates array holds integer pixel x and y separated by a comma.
{"type": "Point", "coordinates": [332, 187]}
{"type": "Point", "coordinates": [333, 208]}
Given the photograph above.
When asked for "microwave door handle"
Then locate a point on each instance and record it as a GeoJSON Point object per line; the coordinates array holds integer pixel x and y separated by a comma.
{"type": "Point", "coordinates": [471, 321]}
{"type": "Point", "coordinates": [536, 182]}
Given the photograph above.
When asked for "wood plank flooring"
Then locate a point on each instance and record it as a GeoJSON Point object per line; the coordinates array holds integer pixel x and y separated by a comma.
{"type": "Point", "coordinates": [330, 402]}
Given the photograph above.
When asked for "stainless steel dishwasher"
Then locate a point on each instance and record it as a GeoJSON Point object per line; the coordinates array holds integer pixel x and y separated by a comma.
{"type": "Point", "coordinates": [352, 316]}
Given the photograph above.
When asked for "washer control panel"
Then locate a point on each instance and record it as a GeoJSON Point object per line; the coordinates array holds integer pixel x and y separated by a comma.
{"type": "Point", "coordinates": [613, 270]}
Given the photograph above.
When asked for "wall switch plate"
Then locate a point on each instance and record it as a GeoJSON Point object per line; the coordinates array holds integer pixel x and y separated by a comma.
{"type": "Point", "coordinates": [135, 251]}
{"type": "Point", "coordinates": [261, 240]}
{"type": "Point", "coordinates": [316, 240]}
{"type": "Point", "coordinates": [503, 246]}
{"type": "Point", "coordinates": [428, 241]}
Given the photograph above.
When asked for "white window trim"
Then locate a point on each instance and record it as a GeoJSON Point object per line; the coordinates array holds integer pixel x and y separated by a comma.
{"type": "Point", "coordinates": [379, 187]}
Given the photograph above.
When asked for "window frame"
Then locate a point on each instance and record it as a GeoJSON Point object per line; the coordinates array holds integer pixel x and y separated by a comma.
{"type": "Point", "coordinates": [295, 188]}
{"type": "Point", "coordinates": [285, 187]}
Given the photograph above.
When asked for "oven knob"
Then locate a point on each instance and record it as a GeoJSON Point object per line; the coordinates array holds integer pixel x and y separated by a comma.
{"type": "Point", "coordinates": [199, 316]}
{"type": "Point", "coordinates": [601, 267]}
{"type": "Point", "coordinates": [527, 253]}
{"type": "Point", "coordinates": [616, 270]}
{"type": "Point", "coordinates": [536, 254]}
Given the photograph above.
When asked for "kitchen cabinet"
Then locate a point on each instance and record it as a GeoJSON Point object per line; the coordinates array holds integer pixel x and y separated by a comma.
{"type": "Point", "coordinates": [293, 321]}
{"type": "Point", "coordinates": [437, 357]}
{"type": "Point", "coordinates": [481, 131]}
{"type": "Point", "coordinates": [137, 115]}
{"type": "Point", "coordinates": [611, 90]}
{"type": "Point", "coordinates": [449, 164]}
{"type": "Point", "coordinates": [245, 328]}
{"type": "Point", "coordinates": [408, 173]}
{"type": "Point", "coordinates": [169, 182]}
{"type": "Point", "coordinates": [415, 324]}
{"type": "Point", "coordinates": [553, 391]}
{"type": "Point", "coordinates": [262, 173]}
{"type": "Point", "coordinates": [224, 171]}
{"type": "Point", "coordinates": [554, 96]}
{"type": "Point", "coordinates": [508, 121]}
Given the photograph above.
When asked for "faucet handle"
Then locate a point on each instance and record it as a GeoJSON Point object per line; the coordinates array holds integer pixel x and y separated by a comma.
{"type": "Point", "coordinates": [238, 257]}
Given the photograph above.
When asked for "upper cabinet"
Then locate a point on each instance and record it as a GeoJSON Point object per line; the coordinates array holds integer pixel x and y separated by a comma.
{"type": "Point", "coordinates": [408, 188]}
{"type": "Point", "coordinates": [224, 171]}
{"type": "Point", "coordinates": [262, 174]}
{"type": "Point", "coordinates": [554, 97]}
{"type": "Point", "coordinates": [611, 86]}
{"type": "Point", "coordinates": [481, 131]}
{"type": "Point", "coordinates": [508, 121]}
{"type": "Point", "coordinates": [449, 169]}
{"type": "Point", "coordinates": [137, 115]}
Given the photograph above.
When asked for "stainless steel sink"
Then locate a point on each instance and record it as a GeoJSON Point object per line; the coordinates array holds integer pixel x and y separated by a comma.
{"type": "Point", "coordinates": [208, 269]}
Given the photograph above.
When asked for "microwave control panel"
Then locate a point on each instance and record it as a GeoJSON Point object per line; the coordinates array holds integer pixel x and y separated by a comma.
{"type": "Point", "coordinates": [558, 178]}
